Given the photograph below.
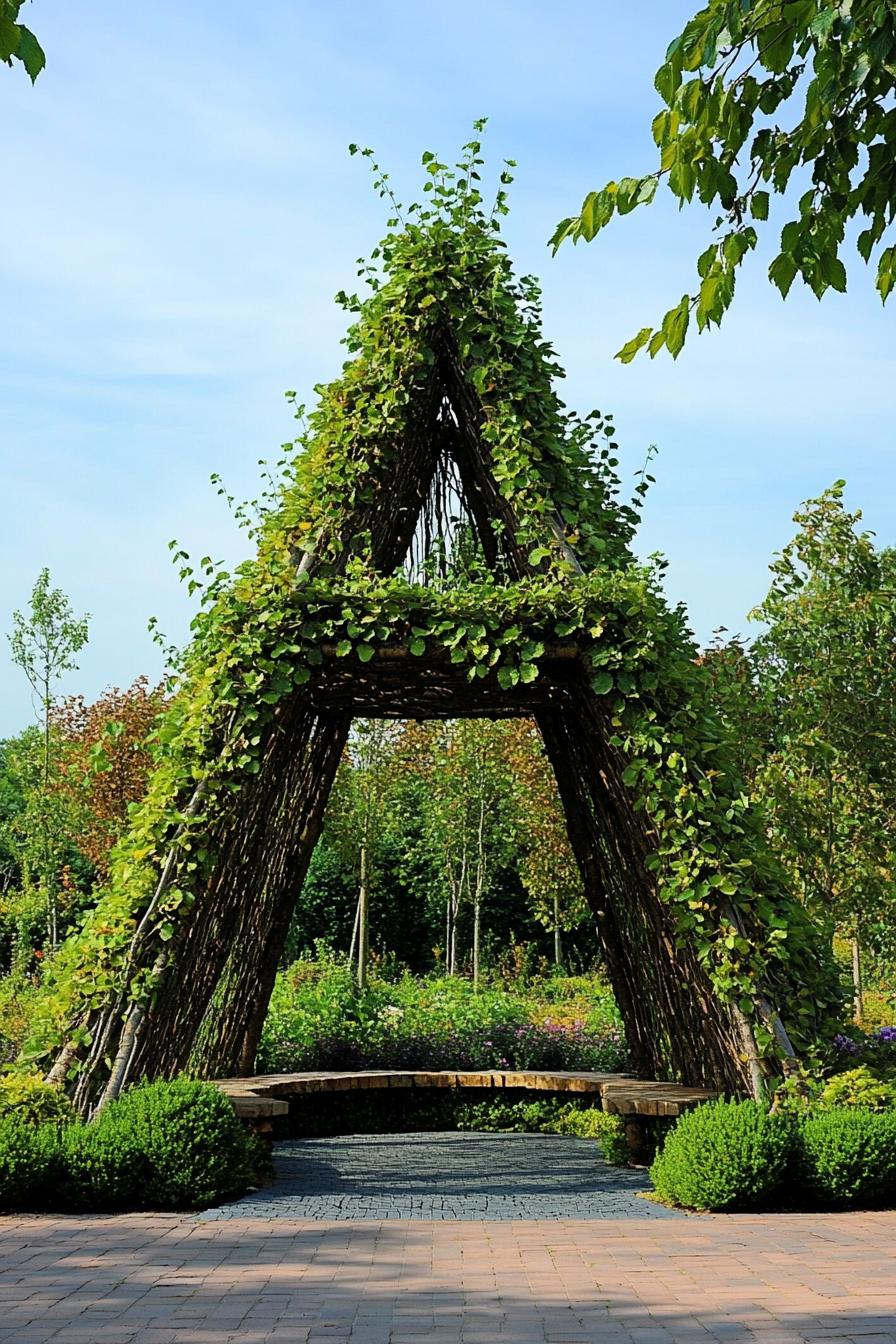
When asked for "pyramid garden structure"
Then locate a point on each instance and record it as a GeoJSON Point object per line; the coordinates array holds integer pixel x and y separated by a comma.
{"type": "Point", "coordinates": [449, 541]}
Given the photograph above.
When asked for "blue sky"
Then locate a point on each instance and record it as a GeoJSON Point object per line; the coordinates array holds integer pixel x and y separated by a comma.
{"type": "Point", "coordinates": [180, 209]}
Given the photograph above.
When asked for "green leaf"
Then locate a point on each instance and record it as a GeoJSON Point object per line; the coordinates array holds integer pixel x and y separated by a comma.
{"type": "Point", "coordinates": [10, 37]}
{"type": "Point", "coordinates": [628, 191]}
{"type": "Point", "coordinates": [602, 683]}
{"type": "Point", "coordinates": [631, 348]}
{"type": "Point", "coordinates": [822, 24]}
{"type": "Point", "coordinates": [417, 646]}
{"type": "Point", "coordinates": [667, 80]}
{"type": "Point", "coordinates": [865, 243]}
{"type": "Point", "coordinates": [782, 271]}
{"type": "Point", "coordinates": [30, 53]}
{"type": "Point", "coordinates": [886, 273]}
{"type": "Point", "coordinates": [675, 326]}
{"type": "Point", "coordinates": [365, 652]}
{"type": "Point", "coordinates": [563, 230]}
{"type": "Point", "coordinates": [597, 211]}
{"type": "Point", "coordinates": [834, 272]}
{"type": "Point", "coordinates": [657, 341]}
{"type": "Point", "coordinates": [759, 204]}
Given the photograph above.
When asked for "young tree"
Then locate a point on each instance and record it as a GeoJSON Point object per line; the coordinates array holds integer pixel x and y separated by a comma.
{"type": "Point", "coordinates": [105, 760]}
{"type": "Point", "coordinates": [812, 82]}
{"type": "Point", "coordinates": [365, 800]}
{"type": "Point", "coordinates": [818, 709]}
{"type": "Point", "coordinates": [44, 643]}
{"type": "Point", "coordinates": [464, 817]}
{"type": "Point", "coordinates": [547, 865]}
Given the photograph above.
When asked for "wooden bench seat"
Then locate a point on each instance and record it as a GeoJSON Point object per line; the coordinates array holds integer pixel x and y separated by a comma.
{"type": "Point", "coordinates": [259, 1100]}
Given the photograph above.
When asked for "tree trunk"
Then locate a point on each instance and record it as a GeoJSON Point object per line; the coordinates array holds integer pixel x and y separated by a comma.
{"type": "Point", "coordinates": [676, 1027]}
{"type": "Point", "coordinates": [47, 878]}
{"type": "Point", "coordinates": [857, 985]}
{"type": "Point", "coordinates": [478, 887]}
{"type": "Point", "coordinates": [209, 1010]}
{"type": "Point", "coordinates": [558, 958]}
{"type": "Point", "coordinates": [477, 907]}
{"type": "Point", "coordinates": [363, 922]}
{"type": "Point", "coordinates": [353, 946]}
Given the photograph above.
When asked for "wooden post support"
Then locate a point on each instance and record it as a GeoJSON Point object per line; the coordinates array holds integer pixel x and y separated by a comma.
{"type": "Point", "coordinates": [637, 1136]}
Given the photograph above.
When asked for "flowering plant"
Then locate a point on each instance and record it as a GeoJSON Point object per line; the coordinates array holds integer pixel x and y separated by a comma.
{"type": "Point", "coordinates": [323, 1022]}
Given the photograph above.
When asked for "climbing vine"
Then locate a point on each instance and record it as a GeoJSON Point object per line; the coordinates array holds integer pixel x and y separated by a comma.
{"type": "Point", "coordinates": [551, 566]}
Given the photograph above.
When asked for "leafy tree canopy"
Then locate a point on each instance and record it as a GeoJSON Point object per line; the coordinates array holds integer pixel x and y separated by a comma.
{"type": "Point", "coordinates": [18, 43]}
{"type": "Point", "coordinates": [760, 95]}
{"type": "Point", "coordinates": [813, 705]}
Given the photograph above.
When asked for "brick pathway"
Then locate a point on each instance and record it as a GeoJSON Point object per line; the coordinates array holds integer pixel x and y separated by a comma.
{"type": "Point", "coordinates": [149, 1279]}
{"type": "Point", "coordinates": [166, 1280]}
{"type": "Point", "coordinates": [446, 1176]}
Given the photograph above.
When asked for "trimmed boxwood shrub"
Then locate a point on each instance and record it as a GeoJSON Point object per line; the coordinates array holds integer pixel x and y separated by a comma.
{"type": "Point", "coordinates": [104, 1169]}
{"type": "Point", "coordinates": [193, 1148]}
{"type": "Point", "coordinates": [162, 1146]}
{"type": "Point", "coordinates": [29, 1163]}
{"type": "Point", "coordinates": [724, 1155]}
{"type": "Point", "coordinates": [846, 1157]}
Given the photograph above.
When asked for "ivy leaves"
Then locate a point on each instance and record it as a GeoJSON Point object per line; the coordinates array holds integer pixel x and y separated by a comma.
{"type": "Point", "coordinates": [18, 43]}
{"type": "Point", "coordinates": [724, 137]}
{"type": "Point", "coordinates": [442, 289]}
{"type": "Point", "coordinates": [488, 627]}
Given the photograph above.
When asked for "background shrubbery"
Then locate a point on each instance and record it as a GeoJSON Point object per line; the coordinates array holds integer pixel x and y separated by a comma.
{"type": "Point", "coordinates": [414, 1110]}
{"type": "Point", "coordinates": [319, 1020]}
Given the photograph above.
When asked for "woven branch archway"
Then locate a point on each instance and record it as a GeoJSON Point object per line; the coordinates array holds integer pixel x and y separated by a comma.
{"type": "Point", "coordinates": [450, 542]}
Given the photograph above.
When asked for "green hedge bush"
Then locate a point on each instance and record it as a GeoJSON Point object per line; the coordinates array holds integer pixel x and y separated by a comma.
{"type": "Point", "coordinates": [846, 1157]}
{"type": "Point", "coordinates": [194, 1149]}
{"type": "Point", "coordinates": [29, 1164]}
{"type": "Point", "coordinates": [102, 1170]}
{"type": "Point", "coordinates": [724, 1155]}
{"type": "Point", "coordinates": [162, 1146]}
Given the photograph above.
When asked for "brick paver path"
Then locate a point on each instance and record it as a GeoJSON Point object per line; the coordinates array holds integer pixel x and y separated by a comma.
{"type": "Point", "coordinates": [148, 1279]}
{"type": "Point", "coordinates": [444, 1176]}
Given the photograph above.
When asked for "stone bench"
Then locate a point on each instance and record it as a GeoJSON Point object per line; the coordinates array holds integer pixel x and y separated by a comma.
{"type": "Point", "coordinates": [258, 1101]}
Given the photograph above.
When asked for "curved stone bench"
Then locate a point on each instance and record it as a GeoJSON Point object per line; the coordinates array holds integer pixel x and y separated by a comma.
{"type": "Point", "coordinates": [259, 1100]}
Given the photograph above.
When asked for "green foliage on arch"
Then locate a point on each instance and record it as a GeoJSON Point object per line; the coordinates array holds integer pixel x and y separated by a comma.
{"type": "Point", "coordinates": [260, 631]}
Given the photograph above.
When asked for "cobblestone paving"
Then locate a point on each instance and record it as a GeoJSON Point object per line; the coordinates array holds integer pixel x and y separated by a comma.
{"type": "Point", "coordinates": [445, 1176]}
